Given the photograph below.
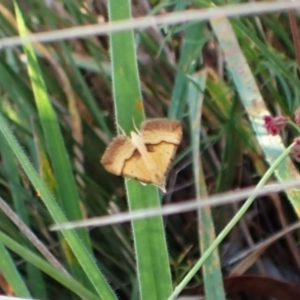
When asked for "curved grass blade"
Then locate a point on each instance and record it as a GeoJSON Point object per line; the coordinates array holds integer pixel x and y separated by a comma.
{"type": "Point", "coordinates": [222, 235]}
{"type": "Point", "coordinates": [11, 274]}
{"type": "Point", "coordinates": [82, 254]}
{"type": "Point", "coordinates": [84, 258]}
{"type": "Point", "coordinates": [35, 279]}
{"type": "Point", "coordinates": [65, 182]}
{"type": "Point", "coordinates": [44, 266]}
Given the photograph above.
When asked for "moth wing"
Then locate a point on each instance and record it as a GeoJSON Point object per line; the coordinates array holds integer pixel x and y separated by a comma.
{"type": "Point", "coordinates": [162, 154]}
{"type": "Point", "coordinates": [135, 168]}
{"type": "Point", "coordinates": [161, 130]}
{"type": "Point", "coordinates": [122, 158]}
{"type": "Point", "coordinates": [117, 153]}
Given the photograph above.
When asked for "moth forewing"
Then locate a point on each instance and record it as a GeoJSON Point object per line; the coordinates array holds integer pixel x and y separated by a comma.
{"type": "Point", "coordinates": [119, 150]}
{"type": "Point", "coordinates": [161, 130]}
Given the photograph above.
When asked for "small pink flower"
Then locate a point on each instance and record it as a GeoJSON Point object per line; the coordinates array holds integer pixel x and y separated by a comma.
{"type": "Point", "coordinates": [274, 125]}
{"type": "Point", "coordinates": [268, 119]}
{"type": "Point", "coordinates": [297, 116]}
{"type": "Point", "coordinates": [296, 149]}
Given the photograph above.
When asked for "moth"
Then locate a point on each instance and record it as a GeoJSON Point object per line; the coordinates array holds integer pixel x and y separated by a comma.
{"type": "Point", "coordinates": [147, 154]}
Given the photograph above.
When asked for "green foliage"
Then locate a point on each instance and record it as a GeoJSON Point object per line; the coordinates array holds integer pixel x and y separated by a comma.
{"type": "Point", "coordinates": [61, 104]}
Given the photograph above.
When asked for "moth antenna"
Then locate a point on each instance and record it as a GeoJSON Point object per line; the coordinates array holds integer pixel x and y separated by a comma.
{"type": "Point", "coordinates": [134, 125]}
{"type": "Point", "coordinates": [121, 129]}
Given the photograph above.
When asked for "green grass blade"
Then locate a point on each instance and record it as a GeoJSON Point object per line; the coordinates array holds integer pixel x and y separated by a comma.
{"type": "Point", "coordinates": [44, 266]}
{"type": "Point", "coordinates": [212, 271]}
{"type": "Point", "coordinates": [65, 181]}
{"type": "Point", "coordinates": [66, 187]}
{"type": "Point", "coordinates": [191, 49]}
{"type": "Point", "coordinates": [11, 274]}
{"type": "Point", "coordinates": [82, 255]}
{"type": "Point", "coordinates": [85, 93]}
{"type": "Point", "coordinates": [222, 235]}
{"type": "Point", "coordinates": [79, 250]}
{"type": "Point", "coordinates": [254, 104]}
{"type": "Point", "coordinates": [34, 276]}
{"type": "Point", "coordinates": [149, 237]}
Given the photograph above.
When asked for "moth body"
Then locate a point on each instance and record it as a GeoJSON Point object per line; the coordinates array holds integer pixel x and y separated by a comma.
{"type": "Point", "coordinates": [153, 170]}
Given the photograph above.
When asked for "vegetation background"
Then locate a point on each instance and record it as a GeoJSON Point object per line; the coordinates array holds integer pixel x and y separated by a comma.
{"type": "Point", "coordinates": [61, 98]}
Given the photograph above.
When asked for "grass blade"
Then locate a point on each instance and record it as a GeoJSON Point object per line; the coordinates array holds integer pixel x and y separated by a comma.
{"type": "Point", "coordinates": [149, 237]}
